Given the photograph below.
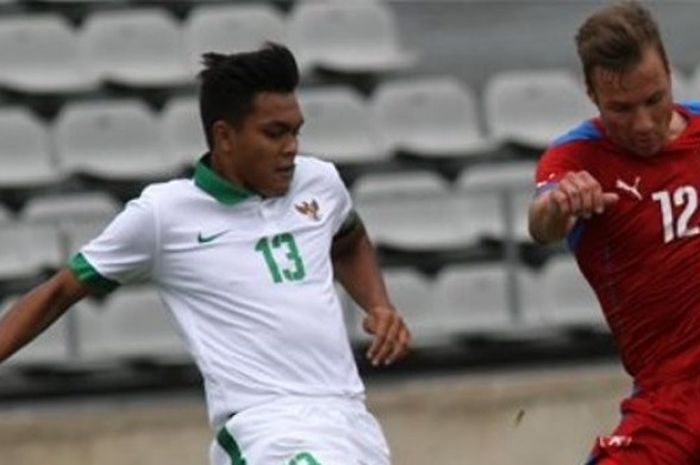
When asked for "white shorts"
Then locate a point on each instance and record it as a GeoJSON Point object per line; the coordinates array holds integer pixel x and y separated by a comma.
{"type": "Point", "coordinates": [302, 432]}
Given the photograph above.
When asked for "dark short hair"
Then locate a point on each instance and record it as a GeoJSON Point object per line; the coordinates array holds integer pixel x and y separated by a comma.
{"type": "Point", "coordinates": [229, 83]}
{"type": "Point", "coordinates": [616, 37]}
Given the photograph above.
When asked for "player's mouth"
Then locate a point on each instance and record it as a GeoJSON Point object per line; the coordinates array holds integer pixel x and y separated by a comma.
{"type": "Point", "coordinates": [285, 171]}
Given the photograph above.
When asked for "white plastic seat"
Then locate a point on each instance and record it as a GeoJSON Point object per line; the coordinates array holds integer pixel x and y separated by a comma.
{"type": "Point", "coordinates": [472, 299]}
{"type": "Point", "coordinates": [182, 131]}
{"type": "Point", "coordinates": [230, 29]}
{"type": "Point", "coordinates": [348, 37]}
{"type": "Point", "coordinates": [429, 117]}
{"type": "Point", "coordinates": [79, 216]}
{"type": "Point", "coordinates": [136, 47]}
{"type": "Point", "coordinates": [113, 140]}
{"type": "Point", "coordinates": [47, 349]}
{"type": "Point", "coordinates": [27, 249]}
{"type": "Point", "coordinates": [532, 108]}
{"type": "Point", "coordinates": [338, 126]}
{"type": "Point", "coordinates": [408, 210]}
{"type": "Point", "coordinates": [131, 324]}
{"type": "Point", "coordinates": [570, 300]}
{"type": "Point", "coordinates": [40, 54]}
{"type": "Point", "coordinates": [25, 156]}
{"type": "Point", "coordinates": [693, 85]}
{"type": "Point", "coordinates": [483, 190]}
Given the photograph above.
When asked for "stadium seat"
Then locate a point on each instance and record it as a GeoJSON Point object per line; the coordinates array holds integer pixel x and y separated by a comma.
{"type": "Point", "coordinates": [48, 349]}
{"type": "Point", "coordinates": [569, 299]}
{"type": "Point", "coordinates": [429, 117]}
{"type": "Point", "coordinates": [472, 299]}
{"type": "Point", "coordinates": [27, 249]}
{"type": "Point", "coordinates": [78, 216]}
{"type": "Point", "coordinates": [339, 126]}
{"type": "Point", "coordinates": [693, 85]}
{"type": "Point", "coordinates": [346, 37]}
{"type": "Point", "coordinates": [531, 108]}
{"type": "Point", "coordinates": [486, 188]}
{"type": "Point", "coordinates": [408, 210]}
{"type": "Point", "coordinates": [681, 85]}
{"type": "Point", "coordinates": [5, 215]}
{"type": "Point", "coordinates": [136, 48]}
{"type": "Point", "coordinates": [131, 325]}
{"type": "Point", "coordinates": [40, 53]}
{"type": "Point", "coordinates": [25, 151]}
{"type": "Point", "coordinates": [183, 135]}
{"type": "Point", "coordinates": [230, 29]}
{"type": "Point", "coordinates": [110, 139]}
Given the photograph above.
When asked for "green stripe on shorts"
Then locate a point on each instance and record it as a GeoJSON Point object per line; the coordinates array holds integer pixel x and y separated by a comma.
{"type": "Point", "coordinates": [229, 444]}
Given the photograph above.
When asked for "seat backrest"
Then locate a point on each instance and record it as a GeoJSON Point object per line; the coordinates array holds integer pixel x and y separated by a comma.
{"type": "Point", "coordinates": [408, 209]}
{"type": "Point", "coordinates": [110, 139]}
{"type": "Point", "coordinates": [419, 113]}
{"type": "Point", "coordinates": [323, 32]}
{"type": "Point", "coordinates": [534, 107]}
{"type": "Point", "coordinates": [338, 126]}
{"type": "Point", "coordinates": [230, 29]}
{"type": "Point", "coordinates": [181, 128]}
{"type": "Point", "coordinates": [25, 153]}
{"type": "Point", "coordinates": [135, 46]}
{"type": "Point", "coordinates": [41, 53]}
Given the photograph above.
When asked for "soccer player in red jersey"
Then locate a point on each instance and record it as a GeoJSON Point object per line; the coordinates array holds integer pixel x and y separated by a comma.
{"type": "Point", "coordinates": [622, 188]}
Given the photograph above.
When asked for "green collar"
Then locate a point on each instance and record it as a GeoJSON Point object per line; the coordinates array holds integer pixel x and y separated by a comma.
{"type": "Point", "coordinates": [213, 184]}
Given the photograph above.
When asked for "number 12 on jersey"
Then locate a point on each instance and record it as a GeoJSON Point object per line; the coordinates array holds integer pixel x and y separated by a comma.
{"type": "Point", "coordinates": [675, 228]}
{"type": "Point", "coordinates": [296, 271]}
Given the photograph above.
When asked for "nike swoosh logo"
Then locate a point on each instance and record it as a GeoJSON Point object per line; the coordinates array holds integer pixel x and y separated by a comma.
{"type": "Point", "coordinates": [204, 239]}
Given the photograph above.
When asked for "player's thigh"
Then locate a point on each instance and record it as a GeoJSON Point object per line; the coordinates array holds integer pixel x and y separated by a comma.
{"type": "Point", "coordinates": [302, 435]}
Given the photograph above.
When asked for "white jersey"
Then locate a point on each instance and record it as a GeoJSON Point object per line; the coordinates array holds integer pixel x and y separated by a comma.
{"type": "Point", "coordinates": [248, 280]}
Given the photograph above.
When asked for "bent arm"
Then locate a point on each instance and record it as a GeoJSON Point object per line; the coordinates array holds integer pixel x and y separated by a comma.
{"type": "Point", "coordinates": [356, 268]}
{"type": "Point", "coordinates": [546, 222]}
{"type": "Point", "coordinates": [38, 309]}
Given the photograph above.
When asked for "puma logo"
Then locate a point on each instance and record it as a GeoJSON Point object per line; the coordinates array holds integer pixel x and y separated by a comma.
{"type": "Point", "coordinates": [633, 190]}
{"type": "Point", "coordinates": [310, 209]}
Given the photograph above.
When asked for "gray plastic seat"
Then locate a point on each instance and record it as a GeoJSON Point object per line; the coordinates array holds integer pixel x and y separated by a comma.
{"type": "Point", "coordinates": [338, 126]}
{"type": "Point", "coordinates": [347, 37]}
{"type": "Point", "coordinates": [408, 210]}
{"type": "Point", "coordinates": [182, 131]}
{"type": "Point", "coordinates": [531, 108]}
{"type": "Point", "coordinates": [136, 47]}
{"type": "Point", "coordinates": [230, 28]}
{"type": "Point", "coordinates": [110, 139]}
{"type": "Point", "coordinates": [25, 151]}
{"type": "Point", "coordinates": [40, 53]}
{"type": "Point", "coordinates": [431, 117]}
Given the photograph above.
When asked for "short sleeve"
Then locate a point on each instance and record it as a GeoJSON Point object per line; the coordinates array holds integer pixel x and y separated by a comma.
{"type": "Point", "coordinates": [552, 166]}
{"type": "Point", "coordinates": [124, 252]}
{"type": "Point", "coordinates": [344, 204]}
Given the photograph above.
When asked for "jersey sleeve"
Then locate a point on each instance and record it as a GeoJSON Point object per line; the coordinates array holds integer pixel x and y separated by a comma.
{"type": "Point", "coordinates": [552, 167]}
{"type": "Point", "coordinates": [124, 252]}
{"type": "Point", "coordinates": [344, 205]}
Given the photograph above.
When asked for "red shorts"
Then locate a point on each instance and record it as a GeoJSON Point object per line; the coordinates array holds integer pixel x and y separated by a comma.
{"type": "Point", "coordinates": [659, 426]}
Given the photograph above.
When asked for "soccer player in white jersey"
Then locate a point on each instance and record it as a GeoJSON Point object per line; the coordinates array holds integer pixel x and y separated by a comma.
{"type": "Point", "coordinates": [244, 255]}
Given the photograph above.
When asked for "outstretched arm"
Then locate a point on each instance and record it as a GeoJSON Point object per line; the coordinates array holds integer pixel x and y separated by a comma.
{"type": "Point", "coordinates": [38, 309]}
{"type": "Point", "coordinates": [356, 268]}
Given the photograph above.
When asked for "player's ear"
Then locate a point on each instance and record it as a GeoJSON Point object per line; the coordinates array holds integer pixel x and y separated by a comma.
{"type": "Point", "coordinates": [223, 136]}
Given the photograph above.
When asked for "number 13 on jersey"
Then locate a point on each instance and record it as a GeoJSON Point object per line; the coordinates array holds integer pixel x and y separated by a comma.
{"type": "Point", "coordinates": [295, 271]}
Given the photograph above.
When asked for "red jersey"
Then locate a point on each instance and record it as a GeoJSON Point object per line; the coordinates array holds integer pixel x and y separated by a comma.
{"type": "Point", "coordinates": [642, 256]}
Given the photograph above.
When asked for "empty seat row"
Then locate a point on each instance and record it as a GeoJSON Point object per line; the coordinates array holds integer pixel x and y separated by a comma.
{"type": "Point", "coordinates": [114, 140]}
{"type": "Point", "coordinates": [417, 210]}
{"type": "Point", "coordinates": [462, 301]}
{"type": "Point", "coordinates": [472, 300]}
{"type": "Point", "coordinates": [124, 139]}
{"type": "Point", "coordinates": [146, 47]}
{"type": "Point", "coordinates": [130, 325]}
